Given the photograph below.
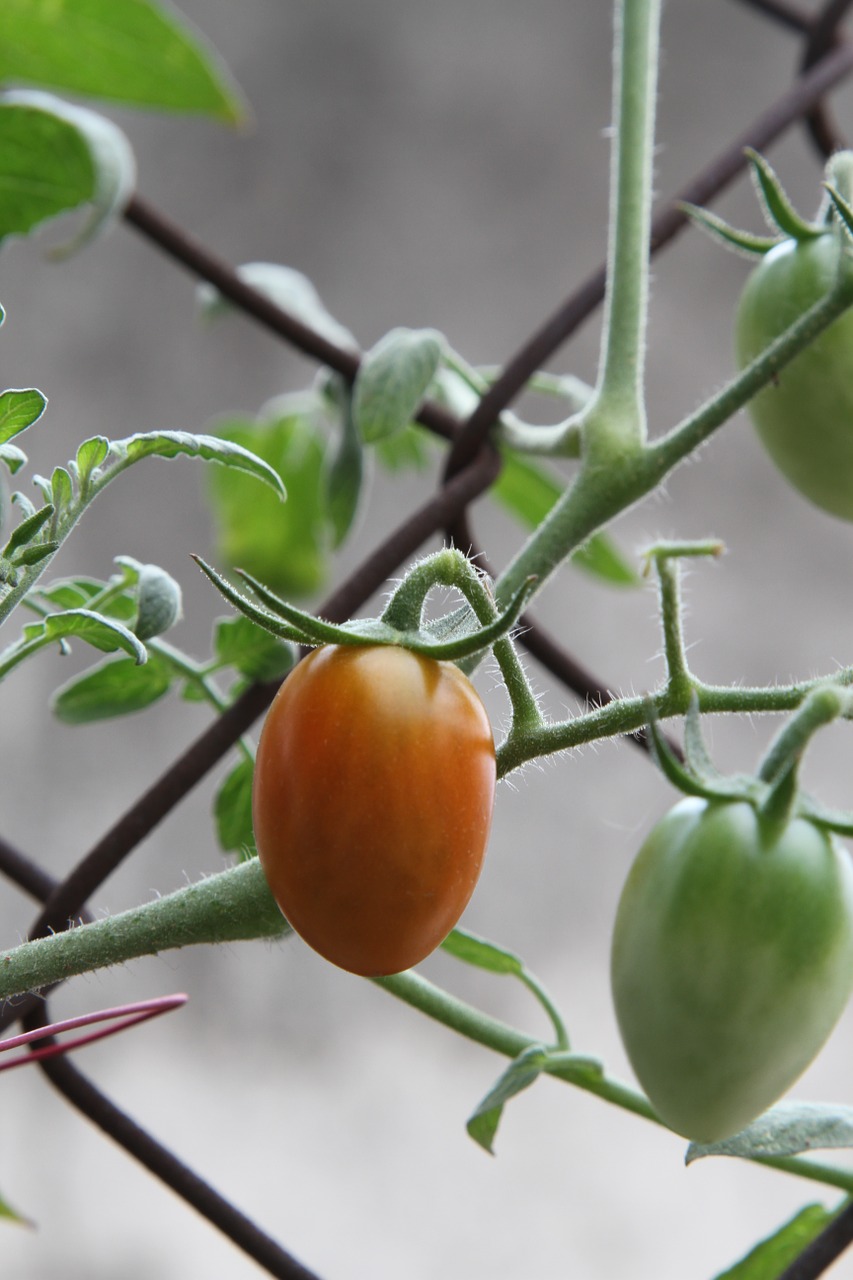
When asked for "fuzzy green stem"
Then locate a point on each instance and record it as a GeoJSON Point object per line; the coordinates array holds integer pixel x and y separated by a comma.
{"type": "Point", "coordinates": [233, 906]}
{"type": "Point", "coordinates": [573, 1069]}
{"type": "Point", "coordinates": [627, 715]}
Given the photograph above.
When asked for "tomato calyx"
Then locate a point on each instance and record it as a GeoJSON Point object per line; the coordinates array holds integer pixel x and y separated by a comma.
{"type": "Point", "coordinates": [463, 634]}
{"type": "Point", "coordinates": [773, 789]}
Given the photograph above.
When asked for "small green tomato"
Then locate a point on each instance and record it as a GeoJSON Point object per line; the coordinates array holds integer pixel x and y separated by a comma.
{"type": "Point", "coordinates": [732, 960]}
{"type": "Point", "coordinates": [805, 416]}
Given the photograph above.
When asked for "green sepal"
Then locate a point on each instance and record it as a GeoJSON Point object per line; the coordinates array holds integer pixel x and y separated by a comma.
{"type": "Point", "coordinates": [692, 783]}
{"type": "Point", "coordinates": [843, 208]}
{"type": "Point", "coordinates": [741, 241]}
{"type": "Point", "coordinates": [778, 210]}
{"type": "Point", "coordinates": [289, 623]}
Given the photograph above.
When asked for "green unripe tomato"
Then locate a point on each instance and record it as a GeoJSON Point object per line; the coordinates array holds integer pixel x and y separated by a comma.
{"type": "Point", "coordinates": [732, 960]}
{"type": "Point", "coordinates": [804, 417]}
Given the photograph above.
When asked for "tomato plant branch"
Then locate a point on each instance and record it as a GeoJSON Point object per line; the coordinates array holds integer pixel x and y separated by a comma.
{"type": "Point", "coordinates": [234, 905]}
{"type": "Point", "coordinates": [629, 715]}
{"type": "Point", "coordinates": [574, 1069]}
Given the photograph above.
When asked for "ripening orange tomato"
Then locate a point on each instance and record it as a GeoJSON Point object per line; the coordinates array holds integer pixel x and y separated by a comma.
{"type": "Point", "coordinates": [372, 802]}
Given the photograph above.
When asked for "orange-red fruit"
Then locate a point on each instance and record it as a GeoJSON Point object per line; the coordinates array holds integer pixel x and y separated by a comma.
{"type": "Point", "coordinates": [372, 803]}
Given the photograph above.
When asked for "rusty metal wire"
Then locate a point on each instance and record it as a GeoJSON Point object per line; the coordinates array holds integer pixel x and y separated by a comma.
{"type": "Point", "coordinates": [471, 467]}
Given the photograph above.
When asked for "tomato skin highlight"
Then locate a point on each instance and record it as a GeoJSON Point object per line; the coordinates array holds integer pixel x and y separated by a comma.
{"type": "Point", "coordinates": [372, 803]}
{"type": "Point", "coordinates": [805, 416]}
{"type": "Point", "coordinates": [732, 960]}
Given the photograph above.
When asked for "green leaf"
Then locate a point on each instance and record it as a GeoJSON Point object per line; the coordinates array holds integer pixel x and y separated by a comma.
{"type": "Point", "coordinates": [283, 545]}
{"type": "Point", "coordinates": [255, 653]}
{"type": "Point", "coordinates": [785, 1130]}
{"type": "Point", "coordinates": [344, 477]}
{"type": "Point", "coordinates": [519, 1075]}
{"type": "Point", "coordinates": [35, 553]}
{"type": "Point", "coordinates": [160, 602]}
{"type": "Point", "coordinates": [24, 532]}
{"type": "Point", "coordinates": [114, 688]}
{"type": "Point", "coordinates": [484, 955]}
{"type": "Point", "coordinates": [46, 167]}
{"type": "Point", "coordinates": [778, 210]}
{"type": "Point", "coordinates": [136, 52]}
{"type": "Point", "coordinates": [772, 1256]}
{"type": "Point", "coordinates": [232, 810]}
{"type": "Point", "coordinates": [61, 488]}
{"type": "Point", "coordinates": [172, 444]}
{"type": "Point", "coordinates": [90, 455]}
{"type": "Point", "coordinates": [19, 410]}
{"type": "Point", "coordinates": [13, 457]}
{"type": "Point", "coordinates": [290, 290]}
{"type": "Point", "coordinates": [55, 156]}
{"type": "Point", "coordinates": [413, 448]}
{"type": "Point", "coordinates": [392, 381]}
{"type": "Point", "coordinates": [96, 629]}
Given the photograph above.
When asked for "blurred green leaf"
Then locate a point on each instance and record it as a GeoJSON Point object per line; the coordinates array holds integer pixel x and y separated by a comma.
{"type": "Point", "coordinates": [290, 290]}
{"type": "Point", "coordinates": [392, 381]}
{"type": "Point", "coordinates": [232, 810]}
{"type": "Point", "coordinates": [255, 653]}
{"type": "Point", "coordinates": [772, 1256]}
{"type": "Point", "coordinates": [46, 167]}
{"type": "Point", "coordinates": [283, 545]}
{"type": "Point", "coordinates": [519, 1075]}
{"type": "Point", "coordinates": [484, 955]}
{"type": "Point", "coordinates": [344, 474]}
{"type": "Point", "coordinates": [136, 52]}
{"type": "Point", "coordinates": [115, 688]}
{"type": "Point", "coordinates": [529, 490]}
{"type": "Point", "coordinates": [785, 1130]}
{"type": "Point", "coordinates": [600, 557]}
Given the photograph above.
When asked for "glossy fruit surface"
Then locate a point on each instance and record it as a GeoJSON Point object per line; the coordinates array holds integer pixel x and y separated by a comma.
{"type": "Point", "coordinates": [805, 416]}
{"type": "Point", "coordinates": [372, 802]}
{"type": "Point", "coordinates": [732, 960]}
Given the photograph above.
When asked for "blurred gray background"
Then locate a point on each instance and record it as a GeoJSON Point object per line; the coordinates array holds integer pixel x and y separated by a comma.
{"type": "Point", "coordinates": [440, 165]}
